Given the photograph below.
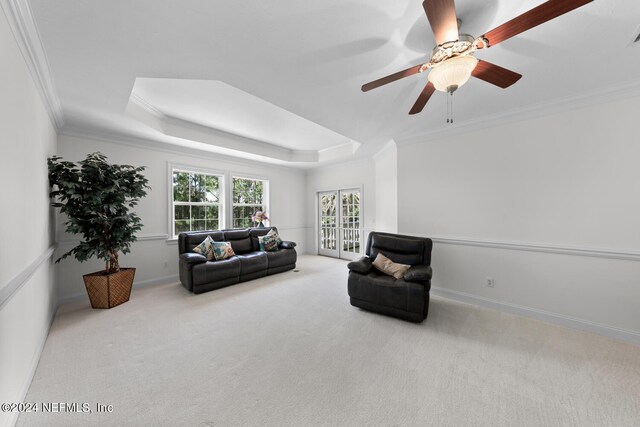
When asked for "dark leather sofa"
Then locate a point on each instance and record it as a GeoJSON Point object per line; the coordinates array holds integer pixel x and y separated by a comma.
{"type": "Point", "coordinates": [198, 275]}
{"type": "Point", "coordinates": [372, 290]}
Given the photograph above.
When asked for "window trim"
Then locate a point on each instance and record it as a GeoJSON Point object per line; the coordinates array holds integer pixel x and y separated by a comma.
{"type": "Point", "coordinates": [222, 176]}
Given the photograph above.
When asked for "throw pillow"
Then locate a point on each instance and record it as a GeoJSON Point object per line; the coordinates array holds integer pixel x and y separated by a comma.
{"type": "Point", "coordinates": [205, 248]}
{"type": "Point", "coordinates": [389, 267]}
{"type": "Point", "coordinates": [270, 241]}
{"type": "Point", "coordinates": [222, 250]}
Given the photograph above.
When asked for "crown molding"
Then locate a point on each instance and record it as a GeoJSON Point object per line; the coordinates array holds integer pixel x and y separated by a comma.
{"type": "Point", "coordinates": [25, 31]}
{"type": "Point", "coordinates": [625, 90]}
{"type": "Point", "coordinates": [166, 147]}
{"type": "Point", "coordinates": [148, 114]}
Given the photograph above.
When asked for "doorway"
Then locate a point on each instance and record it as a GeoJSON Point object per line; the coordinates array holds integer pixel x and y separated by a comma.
{"type": "Point", "coordinates": [340, 214]}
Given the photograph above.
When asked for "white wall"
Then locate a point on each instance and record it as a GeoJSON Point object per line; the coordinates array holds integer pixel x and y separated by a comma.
{"type": "Point", "coordinates": [287, 210]}
{"type": "Point", "coordinates": [27, 138]}
{"type": "Point", "coordinates": [560, 182]}
{"type": "Point", "coordinates": [386, 167]}
{"type": "Point", "coordinates": [355, 174]}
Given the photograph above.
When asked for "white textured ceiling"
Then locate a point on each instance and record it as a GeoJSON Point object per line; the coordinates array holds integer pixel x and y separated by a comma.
{"type": "Point", "coordinates": [312, 58]}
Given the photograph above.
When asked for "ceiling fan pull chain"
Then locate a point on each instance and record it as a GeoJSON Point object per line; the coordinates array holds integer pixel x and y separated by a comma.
{"type": "Point", "coordinates": [447, 109]}
{"type": "Point", "coordinates": [450, 107]}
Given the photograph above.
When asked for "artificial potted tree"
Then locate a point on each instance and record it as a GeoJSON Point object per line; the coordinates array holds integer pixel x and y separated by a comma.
{"type": "Point", "coordinates": [97, 198]}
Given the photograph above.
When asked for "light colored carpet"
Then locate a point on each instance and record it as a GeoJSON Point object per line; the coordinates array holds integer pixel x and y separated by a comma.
{"type": "Point", "coordinates": [289, 350]}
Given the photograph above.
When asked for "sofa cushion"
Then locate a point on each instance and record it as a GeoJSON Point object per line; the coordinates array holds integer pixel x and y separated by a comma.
{"type": "Point", "coordinates": [240, 240]}
{"type": "Point", "coordinates": [205, 248]}
{"type": "Point", "coordinates": [389, 267]}
{"type": "Point", "coordinates": [222, 250]}
{"type": "Point", "coordinates": [252, 263]}
{"type": "Point", "coordinates": [281, 257]}
{"type": "Point", "coordinates": [387, 291]}
{"type": "Point", "coordinates": [213, 271]}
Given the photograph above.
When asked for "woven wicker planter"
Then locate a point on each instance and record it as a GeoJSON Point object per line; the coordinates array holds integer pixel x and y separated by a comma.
{"type": "Point", "coordinates": [109, 290]}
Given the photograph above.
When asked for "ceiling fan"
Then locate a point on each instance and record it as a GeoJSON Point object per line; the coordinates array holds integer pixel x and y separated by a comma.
{"type": "Point", "coordinates": [452, 61]}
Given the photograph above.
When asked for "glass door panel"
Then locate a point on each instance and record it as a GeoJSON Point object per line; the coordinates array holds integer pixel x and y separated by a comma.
{"type": "Point", "coordinates": [328, 239]}
{"type": "Point", "coordinates": [350, 221]}
{"type": "Point", "coordinates": [339, 228]}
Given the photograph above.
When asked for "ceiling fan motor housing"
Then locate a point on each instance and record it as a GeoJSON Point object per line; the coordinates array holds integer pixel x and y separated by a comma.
{"type": "Point", "coordinates": [463, 46]}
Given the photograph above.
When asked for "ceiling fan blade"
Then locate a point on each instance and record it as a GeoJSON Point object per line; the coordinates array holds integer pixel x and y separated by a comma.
{"type": "Point", "coordinates": [423, 98]}
{"type": "Point", "coordinates": [391, 78]}
{"type": "Point", "coordinates": [495, 74]}
{"type": "Point", "coordinates": [443, 19]}
{"type": "Point", "coordinates": [536, 16]}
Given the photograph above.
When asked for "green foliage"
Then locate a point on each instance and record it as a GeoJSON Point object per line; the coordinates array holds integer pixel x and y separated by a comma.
{"type": "Point", "coordinates": [242, 215]}
{"type": "Point", "coordinates": [195, 188]}
{"type": "Point", "coordinates": [248, 191]}
{"type": "Point", "coordinates": [195, 198]}
{"type": "Point", "coordinates": [96, 197]}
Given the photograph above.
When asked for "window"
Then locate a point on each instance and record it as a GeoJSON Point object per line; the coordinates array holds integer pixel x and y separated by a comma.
{"type": "Point", "coordinates": [196, 201]}
{"type": "Point", "coordinates": [249, 196]}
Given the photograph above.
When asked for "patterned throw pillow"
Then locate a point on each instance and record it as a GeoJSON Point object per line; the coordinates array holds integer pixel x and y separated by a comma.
{"type": "Point", "coordinates": [222, 250]}
{"type": "Point", "coordinates": [205, 248]}
{"type": "Point", "coordinates": [270, 241]}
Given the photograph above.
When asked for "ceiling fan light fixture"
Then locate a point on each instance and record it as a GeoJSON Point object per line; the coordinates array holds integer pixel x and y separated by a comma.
{"type": "Point", "coordinates": [452, 73]}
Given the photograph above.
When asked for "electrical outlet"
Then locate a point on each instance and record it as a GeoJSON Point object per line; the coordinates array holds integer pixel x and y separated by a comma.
{"type": "Point", "coordinates": [490, 282]}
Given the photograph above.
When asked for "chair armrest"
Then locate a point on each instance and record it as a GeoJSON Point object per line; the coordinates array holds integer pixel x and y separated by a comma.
{"type": "Point", "coordinates": [287, 245]}
{"type": "Point", "coordinates": [362, 265]}
{"type": "Point", "coordinates": [418, 273]}
{"type": "Point", "coordinates": [193, 258]}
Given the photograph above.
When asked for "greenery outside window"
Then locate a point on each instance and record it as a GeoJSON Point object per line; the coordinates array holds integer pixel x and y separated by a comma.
{"type": "Point", "coordinates": [249, 195]}
{"type": "Point", "coordinates": [197, 201]}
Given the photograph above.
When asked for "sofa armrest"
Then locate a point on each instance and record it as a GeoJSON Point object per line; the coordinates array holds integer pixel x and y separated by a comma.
{"type": "Point", "coordinates": [418, 273]}
{"type": "Point", "coordinates": [362, 265]}
{"type": "Point", "coordinates": [193, 258]}
{"type": "Point", "coordinates": [286, 245]}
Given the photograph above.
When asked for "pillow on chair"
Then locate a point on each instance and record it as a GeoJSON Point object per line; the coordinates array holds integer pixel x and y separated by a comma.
{"type": "Point", "coordinates": [389, 267]}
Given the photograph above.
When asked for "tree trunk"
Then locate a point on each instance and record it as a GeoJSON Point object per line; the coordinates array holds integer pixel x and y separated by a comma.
{"type": "Point", "coordinates": [114, 266]}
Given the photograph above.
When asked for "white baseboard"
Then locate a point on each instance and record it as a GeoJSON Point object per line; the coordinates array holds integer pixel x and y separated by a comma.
{"type": "Point", "coordinates": [138, 284]}
{"type": "Point", "coordinates": [545, 316]}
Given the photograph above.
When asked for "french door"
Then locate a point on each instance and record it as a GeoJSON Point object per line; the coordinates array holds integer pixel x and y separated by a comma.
{"type": "Point", "coordinates": [339, 227]}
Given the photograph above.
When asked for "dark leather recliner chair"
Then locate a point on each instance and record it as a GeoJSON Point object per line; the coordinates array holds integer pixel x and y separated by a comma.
{"type": "Point", "coordinates": [373, 290]}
